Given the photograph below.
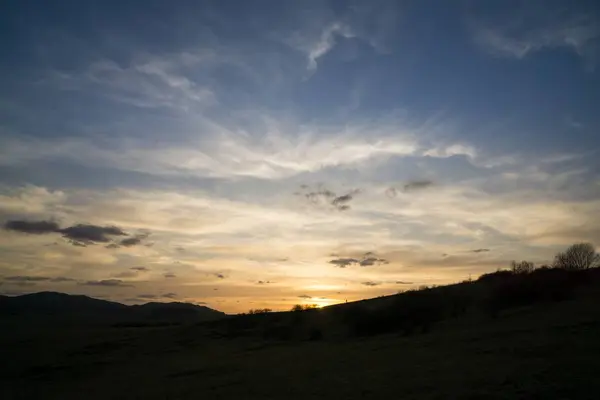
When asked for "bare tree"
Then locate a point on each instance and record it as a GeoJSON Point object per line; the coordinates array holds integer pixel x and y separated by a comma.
{"type": "Point", "coordinates": [578, 256]}
{"type": "Point", "coordinates": [522, 267]}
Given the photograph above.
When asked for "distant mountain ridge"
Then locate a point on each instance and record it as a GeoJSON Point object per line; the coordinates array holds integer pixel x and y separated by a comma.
{"type": "Point", "coordinates": [84, 308]}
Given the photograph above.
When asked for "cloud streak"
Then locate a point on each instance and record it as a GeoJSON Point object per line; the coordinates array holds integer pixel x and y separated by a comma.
{"type": "Point", "coordinates": [107, 283]}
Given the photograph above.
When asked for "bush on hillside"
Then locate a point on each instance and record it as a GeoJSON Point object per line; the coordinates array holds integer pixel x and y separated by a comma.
{"type": "Point", "coordinates": [260, 311]}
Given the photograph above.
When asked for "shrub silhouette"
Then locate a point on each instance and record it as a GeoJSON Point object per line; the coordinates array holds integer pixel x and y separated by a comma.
{"type": "Point", "coordinates": [407, 313]}
{"type": "Point", "coordinates": [304, 307]}
{"type": "Point", "coordinates": [543, 285]}
{"type": "Point", "coordinates": [577, 257]}
{"type": "Point", "coordinates": [259, 311]}
{"type": "Point", "coordinates": [499, 275]}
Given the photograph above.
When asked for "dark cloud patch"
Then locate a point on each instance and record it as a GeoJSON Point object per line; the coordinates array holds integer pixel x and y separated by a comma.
{"type": "Point", "coordinates": [81, 235]}
{"type": "Point", "coordinates": [480, 251]}
{"type": "Point", "coordinates": [20, 278]}
{"type": "Point", "coordinates": [319, 196]}
{"type": "Point", "coordinates": [370, 283]}
{"type": "Point", "coordinates": [140, 269]}
{"type": "Point", "coordinates": [169, 275]}
{"type": "Point", "coordinates": [326, 197]}
{"type": "Point", "coordinates": [263, 282]}
{"type": "Point", "coordinates": [32, 227]}
{"type": "Point", "coordinates": [391, 192]}
{"type": "Point", "coordinates": [134, 240]}
{"type": "Point", "coordinates": [88, 233]}
{"type": "Point", "coordinates": [170, 295]}
{"type": "Point", "coordinates": [107, 283]}
{"type": "Point", "coordinates": [305, 296]}
{"type": "Point", "coordinates": [368, 259]}
{"type": "Point", "coordinates": [24, 278]}
{"type": "Point", "coordinates": [341, 200]}
{"type": "Point", "coordinates": [220, 276]}
{"type": "Point", "coordinates": [403, 283]}
{"type": "Point", "coordinates": [417, 185]}
{"type": "Point", "coordinates": [343, 262]}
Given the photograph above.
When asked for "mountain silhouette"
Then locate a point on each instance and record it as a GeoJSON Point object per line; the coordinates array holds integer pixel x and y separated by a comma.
{"type": "Point", "coordinates": [80, 308]}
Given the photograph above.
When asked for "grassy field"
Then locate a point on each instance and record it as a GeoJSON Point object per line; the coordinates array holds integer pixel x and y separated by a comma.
{"type": "Point", "coordinates": [549, 351]}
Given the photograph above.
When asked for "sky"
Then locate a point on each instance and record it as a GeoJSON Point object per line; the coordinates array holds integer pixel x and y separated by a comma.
{"type": "Point", "coordinates": [270, 153]}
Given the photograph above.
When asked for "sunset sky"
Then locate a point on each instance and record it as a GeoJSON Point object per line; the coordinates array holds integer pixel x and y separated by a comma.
{"type": "Point", "coordinates": [246, 154]}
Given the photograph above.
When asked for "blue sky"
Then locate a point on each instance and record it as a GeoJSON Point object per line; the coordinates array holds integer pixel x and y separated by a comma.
{"type": "Point", "coordinates": [328, 149]}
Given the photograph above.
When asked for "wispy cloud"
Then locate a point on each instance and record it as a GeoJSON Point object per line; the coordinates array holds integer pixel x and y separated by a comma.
{"type": "Point", "coordinates": [224, 154]}
{"type": "Point", "coordinates": [151, 83]}
{"type": "Point", "coordinates": [326, 42]}
{"type": "Point", "coordinates": [538, 28]}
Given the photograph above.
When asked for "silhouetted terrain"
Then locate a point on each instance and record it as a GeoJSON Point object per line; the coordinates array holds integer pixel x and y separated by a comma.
{"type": "Point", "coordinates": [510, 334]}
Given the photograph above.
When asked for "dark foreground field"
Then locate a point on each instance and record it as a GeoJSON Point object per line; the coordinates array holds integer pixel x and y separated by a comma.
{"type": "Point", "coordinates": [537, 352]}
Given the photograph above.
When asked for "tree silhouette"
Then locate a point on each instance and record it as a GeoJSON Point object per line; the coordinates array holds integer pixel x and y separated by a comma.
{"type": "Point", "coordinates": [577, 257]}
{"type": "Point", "coordinates": [522, 267]}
